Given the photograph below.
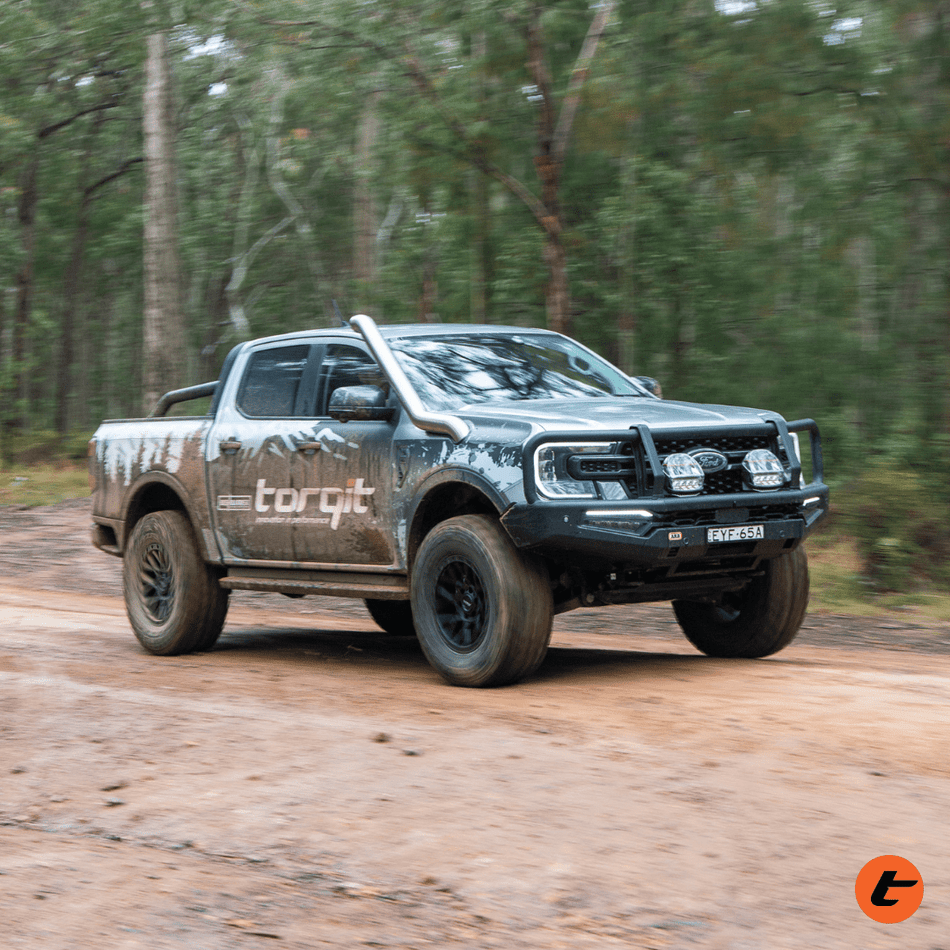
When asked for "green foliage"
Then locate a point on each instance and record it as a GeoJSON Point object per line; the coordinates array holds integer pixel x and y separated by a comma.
{"type": "Point", "coordinates": [43, 484]}
{"type": "Point", "coordinates": [756, 202]}
{"type": "Point", "coordinates": [901, 520]}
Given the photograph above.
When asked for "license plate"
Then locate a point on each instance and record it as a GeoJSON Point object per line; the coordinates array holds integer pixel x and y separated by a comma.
{"type": "Point", "coordinates": [745, 532]}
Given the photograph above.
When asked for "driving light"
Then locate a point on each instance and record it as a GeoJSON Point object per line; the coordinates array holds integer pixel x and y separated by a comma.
{"type": "Point", "coordinates": [636, 514]}
{"type": "Point", "coordinates": [763, 470]}
{"type": "Point", "coordinates": [683, 473]}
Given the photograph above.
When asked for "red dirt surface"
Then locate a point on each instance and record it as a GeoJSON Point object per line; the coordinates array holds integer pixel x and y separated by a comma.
{"type": "Point", "coordinates": [312, 783]}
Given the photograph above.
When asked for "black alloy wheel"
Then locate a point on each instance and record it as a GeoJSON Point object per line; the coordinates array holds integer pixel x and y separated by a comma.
{"type": "Point", "coordinates": [174, 601]}
{"type": "Point", "coordinates": [157, 581]}
{"type": "Point", "coordinates": [460, 605]}
{"type": "Point", "coordinates": [482, 609]}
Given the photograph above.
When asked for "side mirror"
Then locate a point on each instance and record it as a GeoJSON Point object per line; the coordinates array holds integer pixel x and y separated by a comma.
{"type": "Point", "coordinates": [650, 385]}
{"type": "Point", "coordinates": [360, 404]}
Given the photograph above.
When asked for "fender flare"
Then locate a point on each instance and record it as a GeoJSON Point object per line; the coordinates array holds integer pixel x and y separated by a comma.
{"type": "Point", "coordinates": [446, 477]}
{"type": "Point", "coordinates": [200, 525]}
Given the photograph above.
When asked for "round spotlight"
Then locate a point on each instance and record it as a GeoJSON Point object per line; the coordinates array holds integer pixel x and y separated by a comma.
{"type": "Point", "coordinates": [763, 471]}
{"type": "Point", "coordinates": [683, 474]}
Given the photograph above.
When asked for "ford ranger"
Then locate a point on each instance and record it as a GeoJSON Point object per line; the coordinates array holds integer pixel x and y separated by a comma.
{"type": "Point", "coordinates": [468, 483]}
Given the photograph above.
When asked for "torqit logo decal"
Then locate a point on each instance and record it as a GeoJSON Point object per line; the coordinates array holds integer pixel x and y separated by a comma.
{"type": "Point", "coordinates": [335, 502]}
{"type": "Point", "coordinates": [889, 889]}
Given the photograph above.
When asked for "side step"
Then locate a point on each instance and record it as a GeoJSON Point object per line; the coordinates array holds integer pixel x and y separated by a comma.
{"type": "Point", "coordinates": [327, 583]}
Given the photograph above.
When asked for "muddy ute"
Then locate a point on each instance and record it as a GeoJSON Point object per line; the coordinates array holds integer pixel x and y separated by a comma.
{"type": "Point", "coordinates": [467, 483]}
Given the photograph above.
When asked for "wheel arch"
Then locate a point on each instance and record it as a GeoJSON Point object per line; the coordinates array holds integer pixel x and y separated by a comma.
{"type": "Point", "coordinates": [445, 495]}
{"type": "Point", "coordinates": [159, 491]}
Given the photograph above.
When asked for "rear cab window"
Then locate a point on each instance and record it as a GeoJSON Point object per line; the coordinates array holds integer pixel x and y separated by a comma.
{"type": "Point", "coordinates": [272, 383]}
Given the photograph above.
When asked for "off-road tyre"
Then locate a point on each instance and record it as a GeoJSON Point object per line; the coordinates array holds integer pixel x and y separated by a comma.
{"type": "Point", "coordinates": [394, 616]}
{"type": "Point", "coordinates": [760, 620]}
{"type": "Point", "coordinates": [482, 608]}
{"type": "Point", "coordinates": [214, 622]}
{"type": "Point", "coordinates": [173, 599]}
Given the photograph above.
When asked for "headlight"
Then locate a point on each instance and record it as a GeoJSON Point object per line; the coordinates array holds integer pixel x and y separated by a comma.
{"type": "Point", "coordinates": [763, 470]}
{"type": "Point", "coordinates": [551, 469]}
{"type": "Point", "coordinates": [683, 474]}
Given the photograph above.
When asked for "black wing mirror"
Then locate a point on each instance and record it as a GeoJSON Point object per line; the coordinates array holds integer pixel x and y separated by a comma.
{"type": "Point", "coordinates": [651, 385]}
{"type": "Point", "coordinates": [360, 404]}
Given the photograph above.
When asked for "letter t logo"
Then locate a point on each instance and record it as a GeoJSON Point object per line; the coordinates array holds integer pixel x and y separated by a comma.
{"type": "Point", "coordinates": [879, 896]}
{"type": "Point", "coordinates": [889, 889]}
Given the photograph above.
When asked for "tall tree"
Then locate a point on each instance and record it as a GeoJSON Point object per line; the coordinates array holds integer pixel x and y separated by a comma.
{"type": "Point", "coordinates": [401, 36]}
{"type": "Point", "coordinates": [163, 323]}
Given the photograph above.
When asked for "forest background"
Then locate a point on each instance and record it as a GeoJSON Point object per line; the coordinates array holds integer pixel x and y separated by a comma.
{"type": "Point", "coordinates": [746, 199]}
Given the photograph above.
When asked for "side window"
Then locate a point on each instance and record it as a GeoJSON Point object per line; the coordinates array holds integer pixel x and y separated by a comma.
{"type": "Point", "coordinates": [272, 380]}
{"type": "Point", "coordinates": [346, 366]}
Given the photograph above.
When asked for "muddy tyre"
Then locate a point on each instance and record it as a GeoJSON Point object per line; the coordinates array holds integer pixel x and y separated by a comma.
{"type": "Point", "coordinates": [394, 616]}
{"type": "Point", "coordinates": [760, 620]}
{"type": "Point", "coordinates": [214, 622]}
{"type": "Point", "coordinates": [482, 608]}
{"type": "Point", "coordinates": [172, 598]}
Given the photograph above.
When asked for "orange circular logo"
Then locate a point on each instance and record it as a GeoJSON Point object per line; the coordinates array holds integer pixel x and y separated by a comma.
{"type": "Point", "coordinates": [889, 889]}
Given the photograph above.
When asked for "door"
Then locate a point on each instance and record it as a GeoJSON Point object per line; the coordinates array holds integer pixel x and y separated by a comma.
{"type": "Point", "coordinates": [343, 473]}
{"type": "Point", "coordinates": [251, 454]}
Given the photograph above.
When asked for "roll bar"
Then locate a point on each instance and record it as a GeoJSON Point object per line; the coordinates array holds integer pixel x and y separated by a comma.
{"type": "Point", "coordinates": [183, 395]}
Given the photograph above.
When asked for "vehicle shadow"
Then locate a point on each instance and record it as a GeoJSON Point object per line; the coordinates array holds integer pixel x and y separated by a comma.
{"type": "Point", "coordinates": [373, 650]}
{"type": "Point", "coordinates": [326, 642]}
{"type": "Point", "coordinates": [604, 662]}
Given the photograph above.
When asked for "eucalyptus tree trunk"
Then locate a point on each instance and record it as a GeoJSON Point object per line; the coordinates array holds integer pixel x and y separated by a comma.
{"type": "Point", "coordinates": [553, 136]}
{"type": "Point", "coordinates": [26, 214]}
{"type": "Point", "coordinates": [365, 213]}
{"type": "Point", "coordinates": [627, 315]}
{"type": "Point", "coordinates": [554, 130]}
{"type": "Point", "coordinates": [163, 325]}
{"type": "Point", "coordinates": [483, 265]}
{"type": "Point", "coordinates": [483, 261]}
{"type": "Point", "coordinates": [71, 286]}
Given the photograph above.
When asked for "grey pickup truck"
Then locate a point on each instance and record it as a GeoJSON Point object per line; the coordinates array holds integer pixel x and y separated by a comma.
{"type": "Point", "coordinates": [466, 482]}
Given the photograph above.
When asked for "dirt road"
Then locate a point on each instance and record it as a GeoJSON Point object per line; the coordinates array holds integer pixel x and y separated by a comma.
{"type": "Point", "coordinates": [312, 783]}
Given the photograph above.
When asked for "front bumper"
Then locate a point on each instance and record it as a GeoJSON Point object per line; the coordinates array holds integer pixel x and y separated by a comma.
{"type": "Point", "coordinates": [657, 531]}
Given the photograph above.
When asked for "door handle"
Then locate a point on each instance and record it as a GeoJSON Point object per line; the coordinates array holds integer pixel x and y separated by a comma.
{"type": "Point", "coordinates": [230, 446]}
{"type": "Point", "coordinates": [308, 447]}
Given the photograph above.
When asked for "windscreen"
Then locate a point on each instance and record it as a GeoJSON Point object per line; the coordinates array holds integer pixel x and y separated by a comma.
{"type": "Point", "coordinates": [449, 372]}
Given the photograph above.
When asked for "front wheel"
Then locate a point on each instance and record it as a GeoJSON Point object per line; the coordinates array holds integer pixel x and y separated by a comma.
{"type": "Point", "coordinates": [482, 609]}
{"type": "Point", "coordinates": [174, 601]}
{"type": "Point", "coordinates": [759, 620]}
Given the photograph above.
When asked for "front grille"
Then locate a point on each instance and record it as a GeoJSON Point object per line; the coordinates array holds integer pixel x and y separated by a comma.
{"type": "Point", "coordinates": [723, 483]}
{"type": "Point", "coordinates": [730, 480]}
{"type": "Point", "coordinates": [730, 444]}
{"type": "Point", "coordinates": [707, 517]}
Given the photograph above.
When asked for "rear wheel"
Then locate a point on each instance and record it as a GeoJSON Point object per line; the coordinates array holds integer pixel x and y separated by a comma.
{"type": "Point", "coordinates": [482, 609]}
{"type": "Point", "coordinates": [759, 620]}
{"type": "Point", "coordinates": [174, 601]}
{"type": "Point", "coordinates": [214, 622]}
{"type": "Point", "coordinates": [394, 616]}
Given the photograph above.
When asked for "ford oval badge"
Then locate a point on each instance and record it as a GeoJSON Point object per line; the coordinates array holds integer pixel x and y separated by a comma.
{"type": "Point", "coordinates": [709, 460]}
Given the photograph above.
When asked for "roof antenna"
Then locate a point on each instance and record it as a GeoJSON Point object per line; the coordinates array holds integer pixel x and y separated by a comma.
{"type": "Point", "coordinates": [338, 315]}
